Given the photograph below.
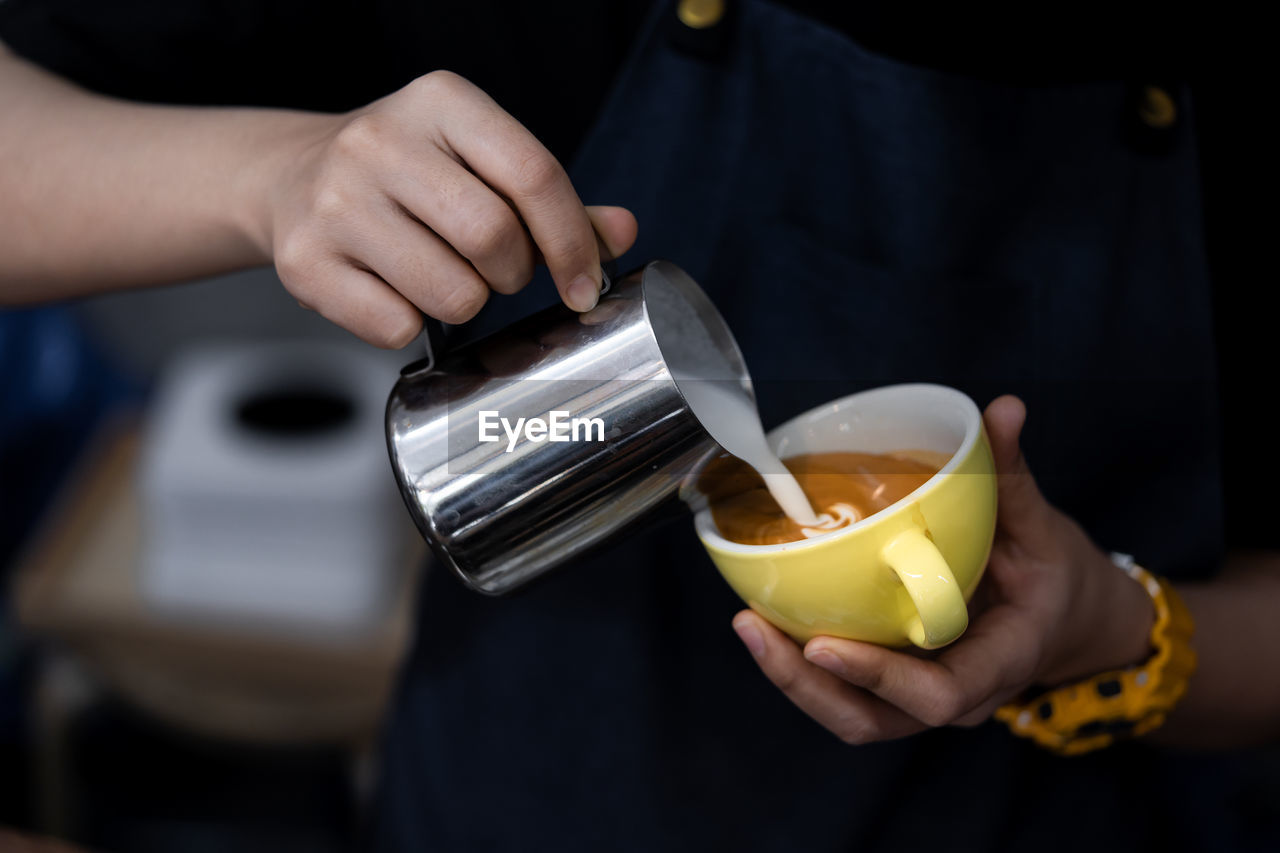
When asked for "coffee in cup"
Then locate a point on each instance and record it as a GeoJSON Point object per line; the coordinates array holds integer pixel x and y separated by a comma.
{"type": "Point", "coordinates": [903, 573]}
{"type": "Point", "coordinates": [843, 487]}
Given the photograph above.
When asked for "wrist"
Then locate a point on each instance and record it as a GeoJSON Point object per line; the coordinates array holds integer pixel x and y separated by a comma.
{"type": "Point", "coordinates": [1125, 640]}
{"type": "Point", "coordinates": [1119, 703]}
{"type": "Point", "coordinates": [277, 151]}
{"type": "Point", "coordinates": [1112, 627]}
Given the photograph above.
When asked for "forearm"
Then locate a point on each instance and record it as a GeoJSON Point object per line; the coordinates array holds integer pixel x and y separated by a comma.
{"type": "Point", "coordinates": [99, 194]}
{"type": "Point", "coordinates": [1234, 696]}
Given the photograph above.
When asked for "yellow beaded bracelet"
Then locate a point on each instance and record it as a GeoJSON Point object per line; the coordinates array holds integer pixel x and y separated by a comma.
{"type": "Point", "coordinates": [1123, 703]}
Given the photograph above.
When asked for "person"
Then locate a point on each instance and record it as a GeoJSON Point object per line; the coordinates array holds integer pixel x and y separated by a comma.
{"type": "Point", "coordinates": [860, 220]}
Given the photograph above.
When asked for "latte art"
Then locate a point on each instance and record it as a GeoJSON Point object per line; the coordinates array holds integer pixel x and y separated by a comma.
{"type": "Point", "coordinates": [838, 516]}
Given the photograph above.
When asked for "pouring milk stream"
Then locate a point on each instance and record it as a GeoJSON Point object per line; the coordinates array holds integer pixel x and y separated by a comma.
{"type": "Point", "coordinates": [727, 410]}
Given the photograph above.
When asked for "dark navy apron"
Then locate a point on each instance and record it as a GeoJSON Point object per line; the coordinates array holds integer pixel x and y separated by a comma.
{"type": "Point", "coordinates": [859, 222]}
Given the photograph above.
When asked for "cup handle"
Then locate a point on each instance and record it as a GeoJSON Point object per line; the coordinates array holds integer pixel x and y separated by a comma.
{"type": "Point", "coordinates": [941, 612]}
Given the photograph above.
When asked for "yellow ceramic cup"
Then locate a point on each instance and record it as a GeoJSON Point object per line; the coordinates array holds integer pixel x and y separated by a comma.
{"type": "Point", "coordinates": [903, 574]}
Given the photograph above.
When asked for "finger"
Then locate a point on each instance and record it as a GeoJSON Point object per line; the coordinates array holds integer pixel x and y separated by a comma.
{"type": "Point", "coordinates": [507, 157]}
{"type": "Point", "coordinates": [847, 712]}
{"type": "Point", "coordinates": [421, 267]}
{"type": "Point", "coordinates": [977, 671]}
{"type": "Point", "coordinates": [479, 225]}
{"type": "Point", "coordinates": [1017, 495]}
{"type": "Point", "coordinates": [615, 229]}
{"type": "Point", "coordinates": [363, 304]}
{"type": "Point", "coordinates": [921, 688]}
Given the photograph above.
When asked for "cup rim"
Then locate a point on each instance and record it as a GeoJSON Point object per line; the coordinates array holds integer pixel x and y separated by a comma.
{"type": "Point", "coordinates": [705, 525]}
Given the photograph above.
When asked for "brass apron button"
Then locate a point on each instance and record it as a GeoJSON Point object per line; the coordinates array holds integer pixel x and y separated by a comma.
{"type": "Point", "coordinates": [1156, 108]}
{"type": "Point", "coordinates": [700, 14]}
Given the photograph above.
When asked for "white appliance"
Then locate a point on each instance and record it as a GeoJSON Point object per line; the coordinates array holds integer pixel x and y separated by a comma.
{"type": "Point", "coordinates": [267, 494]}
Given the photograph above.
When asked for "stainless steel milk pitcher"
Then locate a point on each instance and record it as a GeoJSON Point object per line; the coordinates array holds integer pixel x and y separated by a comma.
{"type": "Point", "coordinates": [556, 435]}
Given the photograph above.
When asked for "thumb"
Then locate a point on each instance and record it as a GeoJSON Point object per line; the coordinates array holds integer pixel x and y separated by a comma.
{"type": "Point", "coordinates": [1019, 499]}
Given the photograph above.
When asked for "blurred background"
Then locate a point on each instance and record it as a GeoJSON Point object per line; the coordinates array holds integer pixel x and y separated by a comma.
{"type": "Point", "coordinates": [199, 631]}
